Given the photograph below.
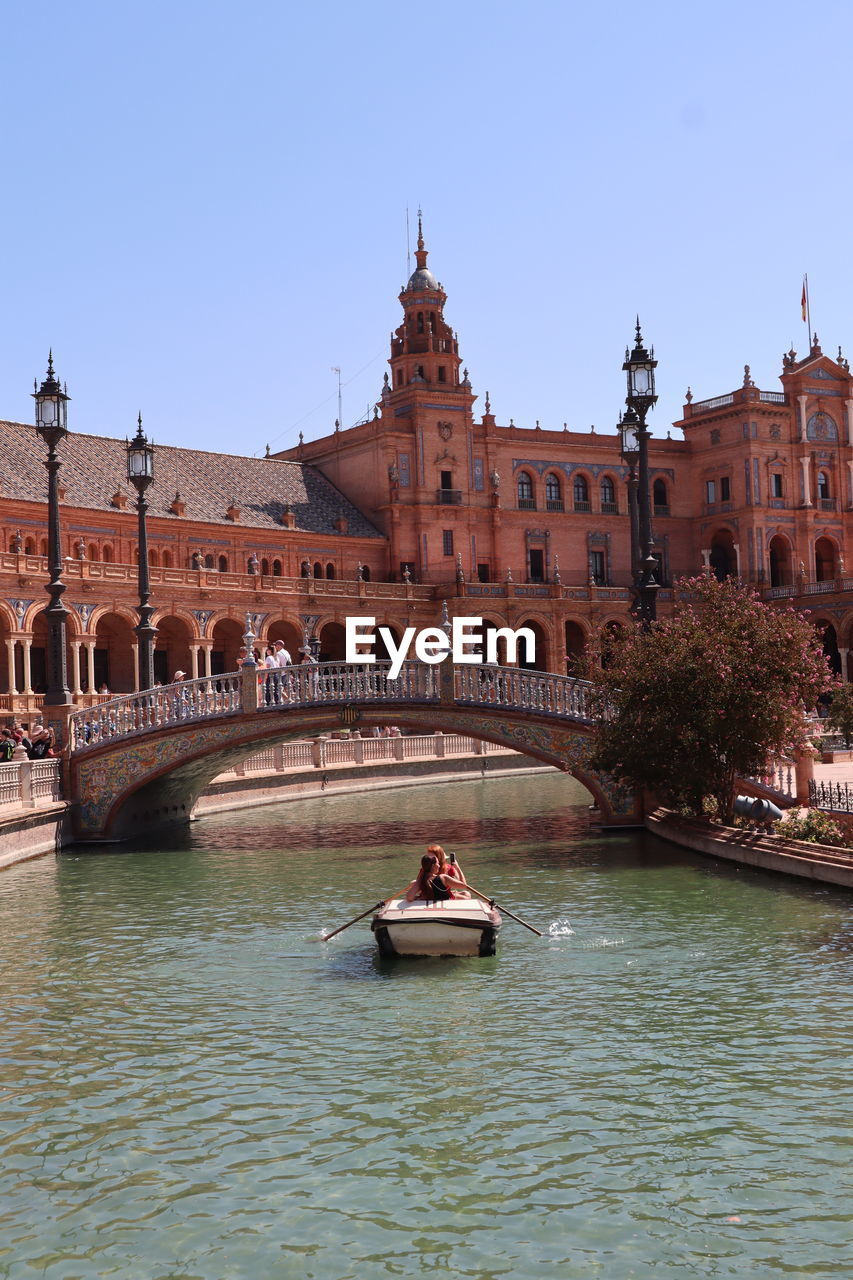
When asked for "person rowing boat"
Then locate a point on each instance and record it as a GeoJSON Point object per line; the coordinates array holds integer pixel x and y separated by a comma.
{"type": "Point", "coordinates": [434, 885]}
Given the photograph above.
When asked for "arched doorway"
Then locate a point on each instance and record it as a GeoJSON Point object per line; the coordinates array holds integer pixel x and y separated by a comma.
{"type": "Point", "coordinates": [290, 634]}
{"type": "Point", "coordinates": [173, 648]}
{"type": "Point", "coordinates": [723, 556]}
{"type": "Point", "coordinates": [824, 559]}
{"type": "Point", "coordinates": [332, 643]}
{"type": "Point", "coordinates": [380, 648]}
{"type": "Point", "coordinates": [227, 642]}
{"type": "Point", "coordinates": [780, 562]}
{"type": "Point", "coordinates": [113, 657]}
{"type": "Point", "coordinates": [575, 646]}
{"type": "Point", "coordinates": [540, 660]}
{"type": "Point", "coordinates": [829, 638]}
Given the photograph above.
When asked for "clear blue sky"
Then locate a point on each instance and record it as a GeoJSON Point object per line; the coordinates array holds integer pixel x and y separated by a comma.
{"type": "Point", "coordinates": [203, 204]}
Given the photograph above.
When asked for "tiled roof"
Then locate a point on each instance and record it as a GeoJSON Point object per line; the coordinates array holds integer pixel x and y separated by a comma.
{"type": "Point", "coordinates": [95, 467]}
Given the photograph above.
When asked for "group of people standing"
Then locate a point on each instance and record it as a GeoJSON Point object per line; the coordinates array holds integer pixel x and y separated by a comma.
{"type": "Point", "coordinates": [276, 654]}
{"type": "Point", "coordinates": [38, 741]}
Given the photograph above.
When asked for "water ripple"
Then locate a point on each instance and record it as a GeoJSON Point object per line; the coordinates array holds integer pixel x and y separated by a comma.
{"type": "Point", "coordinates": [194, 1087]}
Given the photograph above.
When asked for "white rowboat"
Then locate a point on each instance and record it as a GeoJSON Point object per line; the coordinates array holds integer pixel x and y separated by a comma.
{"type": "Point", "coordinates": [455, 927]}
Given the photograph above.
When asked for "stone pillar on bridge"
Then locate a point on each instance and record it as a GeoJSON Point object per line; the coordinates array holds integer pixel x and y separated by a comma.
{"type": "Point", "coordinates": [804, 765]}
{"type": "Point", "coordinates": [249, 683]}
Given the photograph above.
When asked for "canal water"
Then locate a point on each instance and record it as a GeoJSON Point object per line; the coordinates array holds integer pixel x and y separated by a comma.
{"type": "Point", "coordinates": [194, 1087]}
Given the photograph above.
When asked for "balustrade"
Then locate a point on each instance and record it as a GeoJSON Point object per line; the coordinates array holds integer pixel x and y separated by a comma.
{"type": "Point", "coordinates": [210, 697]}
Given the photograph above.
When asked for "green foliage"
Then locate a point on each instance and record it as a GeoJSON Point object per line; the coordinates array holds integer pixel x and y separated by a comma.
{"type": "Point", "coordinates": [706, 695]}
{"type": "Point", "coordinates": [813, 826]}
{"type": "Point", "coordinates": [840, 716]}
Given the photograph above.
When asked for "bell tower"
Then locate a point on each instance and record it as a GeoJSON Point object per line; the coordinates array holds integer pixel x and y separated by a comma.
{"type": "Point", "coordinates": [424, 349]}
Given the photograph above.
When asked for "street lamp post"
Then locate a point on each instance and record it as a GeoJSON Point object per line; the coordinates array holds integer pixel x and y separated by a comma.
{"type": "Point", "coordinates": [640, 366]}
{"type": "Point", "coordinates": [140, 473]}
{"type": "Point", "coordinates": [630, 448]}
{"type": "Point", "coordinates": [52, 425]}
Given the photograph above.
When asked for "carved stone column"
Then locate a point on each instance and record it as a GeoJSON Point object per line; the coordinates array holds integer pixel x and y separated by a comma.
{"type": "Point", "coordinates": [10, 650]}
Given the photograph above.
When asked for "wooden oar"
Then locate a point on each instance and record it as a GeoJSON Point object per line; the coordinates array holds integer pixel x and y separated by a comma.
{"type": "Point", "coordinates": [379, 904]}
{"type": "Point", "coordinates": [492, 903]}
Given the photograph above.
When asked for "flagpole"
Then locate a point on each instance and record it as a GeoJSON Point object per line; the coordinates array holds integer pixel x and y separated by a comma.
{"type": "Point", "coordinates": [808, 309]}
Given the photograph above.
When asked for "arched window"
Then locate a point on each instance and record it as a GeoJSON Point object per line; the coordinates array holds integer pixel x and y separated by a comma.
{"type": "Point", "coordinates": [276, 568]}
{"type": "Point", "coordinates": [318, 570]}
{"type": "Point", "coordinates": [167, 559]}
{"type": "Point", "coordinates": [659, 498]}
{"type": "Point", "coordinates": [223, 564]}
{"type": "Point", "coordinates": [209, 562]}
{"type": "Point", "coordinates": [30, 547]}
{"type": "Point", "coordinates": [93, 551]}
{"type": "Point", "coordinates": [823, 493]}
{"type": "Point", "coordinates": [365, 573]}
{"type": "Point", "coordinates": [608, 496]}
{"type": "Point", "coordinates": [153, 557]}
{"type": "Point", "coordinates": [265, 566]}
{"type": "Point", "coordinates": [553, 493]}
{"type": "Point", "coordinates": [526, 499]}
{"type": "Point", "coordinates": [107, 554]}
{"type": "Point", "coordinates": [330, 570]}
{"type": "Point", "coordinates": [581, 493]}
{"type": "Point", "coordinates": [43, 547]}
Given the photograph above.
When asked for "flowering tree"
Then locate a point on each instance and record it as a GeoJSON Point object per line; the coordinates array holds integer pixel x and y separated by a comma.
{"type": "Point", "coordinates": [706, 695]}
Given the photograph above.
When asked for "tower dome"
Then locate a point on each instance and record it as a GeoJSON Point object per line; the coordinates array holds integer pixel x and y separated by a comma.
{"type": "Point", "coordinates": [421, 278]}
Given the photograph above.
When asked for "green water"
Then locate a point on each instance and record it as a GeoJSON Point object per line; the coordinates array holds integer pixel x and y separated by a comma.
{"type": "Point", "coordinates": [194, 1087]}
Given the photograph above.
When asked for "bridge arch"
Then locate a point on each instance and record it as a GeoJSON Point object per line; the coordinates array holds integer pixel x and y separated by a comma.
{"type": "Point", "coordinates": [146, 758]}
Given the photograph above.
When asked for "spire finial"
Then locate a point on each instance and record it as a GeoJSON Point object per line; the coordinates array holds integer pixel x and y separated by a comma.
{"type": "Point", "coordinates": [639, 342]}
{"type": "Point", "coordinates": [50, 372]}
{"type": "Point", "coordinates": [420, 228]}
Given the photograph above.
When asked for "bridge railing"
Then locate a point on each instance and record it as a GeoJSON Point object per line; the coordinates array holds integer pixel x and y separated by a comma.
{"type": "Point", "coordinates": [308, 684]}
{"type": "Point", "coordinates": [188, 700]}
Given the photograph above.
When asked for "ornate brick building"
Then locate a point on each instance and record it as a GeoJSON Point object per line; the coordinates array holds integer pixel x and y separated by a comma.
{"type": "Point", "coordinates": [426, 501]}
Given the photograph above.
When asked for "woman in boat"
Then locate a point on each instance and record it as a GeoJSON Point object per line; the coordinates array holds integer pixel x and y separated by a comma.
{"type": "Point", "coordinates": [434, 886]}
{"type": "Point", "coordinates": [447, 865]}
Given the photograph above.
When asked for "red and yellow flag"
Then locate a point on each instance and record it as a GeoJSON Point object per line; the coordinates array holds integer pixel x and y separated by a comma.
{"type": "Point", "coordinates": [804, 302]}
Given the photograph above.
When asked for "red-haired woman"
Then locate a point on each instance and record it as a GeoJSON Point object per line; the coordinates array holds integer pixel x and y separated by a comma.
{"type": "Point", "coordinates": [434, 886]}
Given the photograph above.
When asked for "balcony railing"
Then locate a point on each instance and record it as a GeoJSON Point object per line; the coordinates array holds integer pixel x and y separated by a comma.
{"type": "Point", "coordinates": [527, 504]}
{"type": "Point", "coordinates": [449, 497]}
{"type": "Point", "coordinates": [610, 508]}
{"type": "Point", "coordinates": [554, 504]}
{"type": "Point", "coordinates": [826, 504]}
{"type": "Point", "coordinates": [662, 509]}
{"type": "Point", "coordinates": [580, 505]}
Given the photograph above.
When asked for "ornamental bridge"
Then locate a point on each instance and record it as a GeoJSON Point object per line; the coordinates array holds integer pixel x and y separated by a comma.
{"type": "Point", "coordinates": [144, 759]}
